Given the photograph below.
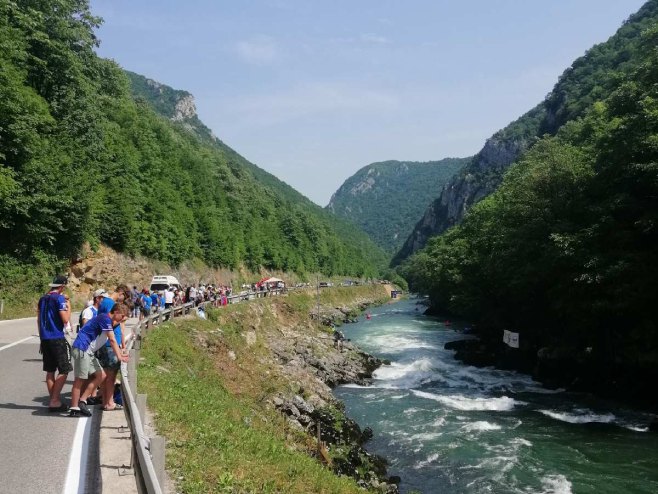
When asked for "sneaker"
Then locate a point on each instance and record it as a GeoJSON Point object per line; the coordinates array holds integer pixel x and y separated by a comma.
{"type": "Point", "coordinates": [94, 400]}
{"type": "Point", "coordinates": [84, 409]}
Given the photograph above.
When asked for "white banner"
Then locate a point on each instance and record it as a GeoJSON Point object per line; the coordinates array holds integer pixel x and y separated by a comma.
{"type": "Point", "coordinates": [511, 339]}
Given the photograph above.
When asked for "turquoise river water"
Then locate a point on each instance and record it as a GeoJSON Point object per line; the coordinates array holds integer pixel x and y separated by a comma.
{"type": "Point", "coordinates": [449, 428]}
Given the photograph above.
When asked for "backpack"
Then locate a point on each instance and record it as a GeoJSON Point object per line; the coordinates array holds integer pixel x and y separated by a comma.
{"type": "Point", "coordinates": [77, 329]}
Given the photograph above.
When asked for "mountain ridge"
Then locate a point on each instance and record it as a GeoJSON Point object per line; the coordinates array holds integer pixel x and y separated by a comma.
{"type": "Point", "coordinates": [385, 198]}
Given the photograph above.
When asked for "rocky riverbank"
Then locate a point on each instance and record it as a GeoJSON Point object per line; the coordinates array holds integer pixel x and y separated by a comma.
{"type": "Point", "coordinates": [313, 366]}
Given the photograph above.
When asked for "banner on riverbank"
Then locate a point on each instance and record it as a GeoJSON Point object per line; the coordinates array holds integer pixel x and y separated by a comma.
{"type": "Point", "coordinates": [511, 339]}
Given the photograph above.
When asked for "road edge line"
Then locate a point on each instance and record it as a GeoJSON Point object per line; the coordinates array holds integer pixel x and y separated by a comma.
{"type": "Point", "coordinates": [76, 473]}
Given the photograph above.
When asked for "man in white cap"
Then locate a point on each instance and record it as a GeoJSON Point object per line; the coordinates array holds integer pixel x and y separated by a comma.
{"type": "Point", "coordinates": [53, 314]}
{"type": "Point", "coordinates": [92, 311]}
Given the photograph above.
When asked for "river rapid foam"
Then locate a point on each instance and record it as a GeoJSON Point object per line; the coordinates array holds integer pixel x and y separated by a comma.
{"type": "Point", "coordinates": [446, 427]}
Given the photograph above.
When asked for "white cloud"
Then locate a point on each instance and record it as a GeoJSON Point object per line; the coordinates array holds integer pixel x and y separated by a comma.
{"type": "Point", "coordinates": [260, 50]}
{"type": "Point", "coordinates": [311, 99]}
{"type": "Point", "coordinates": [374, 39]}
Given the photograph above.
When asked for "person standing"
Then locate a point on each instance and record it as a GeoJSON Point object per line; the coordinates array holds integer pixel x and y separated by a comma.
{"type": "Point", "coordinates": [155, 302]}
{"type": "Point", "coordinates": [134, 297]}
{"type": "Point", "coordinates": [169, 298]}
{"type": "Point", "coordinates": [53, 314]}
{"type": "Point", "coordinates": [146, 304]}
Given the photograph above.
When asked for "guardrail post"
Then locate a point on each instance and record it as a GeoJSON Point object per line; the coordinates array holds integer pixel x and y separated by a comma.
{"type": "Point", "coordinates": [158, 445]}
{"type": "Point", "coordinates": [132, 370]}
{"type": "Point", "coordinates": [140, 400]}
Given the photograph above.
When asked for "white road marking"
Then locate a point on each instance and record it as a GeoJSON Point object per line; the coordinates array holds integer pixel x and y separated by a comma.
{"type": "Point", "coordinates": [77, 470]}
{"type": "Point", "coordinates": [16, 343]}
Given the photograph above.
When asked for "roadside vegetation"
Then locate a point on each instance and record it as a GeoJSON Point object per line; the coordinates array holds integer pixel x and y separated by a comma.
{"type": "Point", "coordinates": [209, 385]}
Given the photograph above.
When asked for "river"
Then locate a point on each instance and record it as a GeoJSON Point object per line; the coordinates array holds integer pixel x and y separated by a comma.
{"type": "Point", "coordinates": [450, 428]}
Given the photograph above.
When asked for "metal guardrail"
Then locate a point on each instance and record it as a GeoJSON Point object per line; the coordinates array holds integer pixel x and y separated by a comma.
{"type": "Point", "coordinates": [148, 453]}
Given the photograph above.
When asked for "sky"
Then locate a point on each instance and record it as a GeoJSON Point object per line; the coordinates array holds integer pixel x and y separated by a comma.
{"type": "Point", "coordinates": [313, 90]}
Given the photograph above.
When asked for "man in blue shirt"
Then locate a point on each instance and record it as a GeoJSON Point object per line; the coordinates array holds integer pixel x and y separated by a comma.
{"type": "Point", "coordinates": [146, 304]}
{"type": "Point", "coordinates": [91, 337]}
{"type": "Point", "coordinates": [54, 312]}
{"type": "Point", "coordinates": [121, 294]}
{"type": "Point", "coordinates": [155, 301]}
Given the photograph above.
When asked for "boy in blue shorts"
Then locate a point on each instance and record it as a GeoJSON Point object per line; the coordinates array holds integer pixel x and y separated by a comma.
{"type": "Point", "coordinates": [91, 337]}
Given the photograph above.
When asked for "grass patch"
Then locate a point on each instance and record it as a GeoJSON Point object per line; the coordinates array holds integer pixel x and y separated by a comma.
{"type": "Point", "coordinates": [219, 440]}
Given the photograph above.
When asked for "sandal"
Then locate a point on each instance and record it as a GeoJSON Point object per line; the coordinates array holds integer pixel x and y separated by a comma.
{"type": "Point", "coordinates": [115, 407]}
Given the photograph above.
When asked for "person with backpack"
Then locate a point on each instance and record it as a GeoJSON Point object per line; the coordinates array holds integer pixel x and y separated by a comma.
{"type": "Point", "coordinates": [54, 312]}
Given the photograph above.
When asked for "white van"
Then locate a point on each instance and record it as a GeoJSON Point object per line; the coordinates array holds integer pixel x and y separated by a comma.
{"type": "Point", "coordinates": [160, 282]}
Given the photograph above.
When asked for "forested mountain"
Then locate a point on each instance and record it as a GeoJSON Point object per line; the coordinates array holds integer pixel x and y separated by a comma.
{"type": "Point", "coordinates": [83, 160]}
{"type": "Point", "coordinates": [565, 250]}
{"type": "Point", "coordinates": [386, 199]}
{"type": "Point", "coordinates": [178, 106]}
{"type": "Point", "coordinates": [589, 79]}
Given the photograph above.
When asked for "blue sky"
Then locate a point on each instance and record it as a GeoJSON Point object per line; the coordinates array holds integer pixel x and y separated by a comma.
{"type": "Point", "coordinates": [314, 90]}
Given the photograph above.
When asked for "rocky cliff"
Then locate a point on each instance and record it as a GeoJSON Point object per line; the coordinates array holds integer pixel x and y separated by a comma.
{"type": "Point", "coordinates": [477, 180]}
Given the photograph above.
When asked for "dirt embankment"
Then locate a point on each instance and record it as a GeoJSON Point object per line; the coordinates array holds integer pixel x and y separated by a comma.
{"type": "Point", "coordinates": [106, 268]}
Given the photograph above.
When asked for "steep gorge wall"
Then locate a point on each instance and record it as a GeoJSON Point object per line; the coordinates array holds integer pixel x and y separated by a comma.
{"type": "Point", "coordinates": [600, 71]}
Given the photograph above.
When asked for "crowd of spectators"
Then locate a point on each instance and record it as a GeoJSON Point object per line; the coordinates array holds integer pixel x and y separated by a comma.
{"type": "Point", "coordinates": [99, 343]}
{"type": "Point", "coordinates": [146, 302]}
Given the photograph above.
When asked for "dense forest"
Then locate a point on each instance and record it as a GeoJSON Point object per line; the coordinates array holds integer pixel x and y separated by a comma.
{"type": "Point", "coordinates": [564, 250]}
{"type": "Point", "coordinates": [83, 160]}
{"type": "Point", "coordinates": [589, 79]}
{"type": "Point", "coordinates": [386, 199]}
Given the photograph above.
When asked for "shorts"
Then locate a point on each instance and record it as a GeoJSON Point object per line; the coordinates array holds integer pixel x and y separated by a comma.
{"type": "Point", "coordinates": [56, 355]}
{"type": "Point", "coordinates": [146, 311]}
{"type": "Point", "coordinates": [108, 359]}
{"type": "Point", "coordinates": [85, 364]}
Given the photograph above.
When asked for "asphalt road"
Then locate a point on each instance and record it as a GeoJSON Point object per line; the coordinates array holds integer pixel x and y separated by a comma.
{"type": "Point", "coordinates": [35, 446]}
